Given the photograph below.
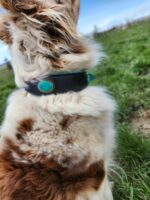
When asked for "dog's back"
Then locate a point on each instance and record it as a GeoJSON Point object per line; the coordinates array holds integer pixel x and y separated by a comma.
{"type": "Point", "coordinates": [53, 147]}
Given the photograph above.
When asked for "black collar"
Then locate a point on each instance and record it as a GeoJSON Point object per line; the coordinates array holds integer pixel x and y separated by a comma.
{"type": "Point", "coordinates": [58, 84]}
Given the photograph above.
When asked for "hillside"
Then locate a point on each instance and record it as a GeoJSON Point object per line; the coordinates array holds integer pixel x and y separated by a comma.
{"type": "Point", "coordinates": [126, 73]}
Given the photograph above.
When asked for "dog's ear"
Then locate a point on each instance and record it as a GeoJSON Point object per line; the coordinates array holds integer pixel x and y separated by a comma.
{"type": "Point", "coordinates": [73, 7]}
{"type": "Point", "coordinates": [5, 35]}
{"type": "Point", "coordinates": [17, 6]}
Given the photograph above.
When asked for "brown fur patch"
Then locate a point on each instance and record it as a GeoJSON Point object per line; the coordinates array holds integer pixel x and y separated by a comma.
{"type": "Point", "coordinates": [67, 121]}
{"type": "Point", "coordinates": [78, 48]}
{"type": "Point", "coordinates": [4, 32]}
{"type": "Point", "coordinates": [26, 6]}
{"type": "Point", "coordinates": [58, 32]}
{"type": "Point", "coordinates": [24, 127]}
{"type": "Point", "coordinates": [42, 181]}
{"type": "Point", "coordinates": [22, 47]}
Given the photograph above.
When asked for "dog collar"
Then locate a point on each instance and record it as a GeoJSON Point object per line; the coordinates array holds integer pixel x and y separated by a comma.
{"type": "Point", "coordinates": [59, 83]}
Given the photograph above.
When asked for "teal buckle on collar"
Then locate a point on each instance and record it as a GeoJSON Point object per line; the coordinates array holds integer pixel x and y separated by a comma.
{"type": "Point", "coordinates": [46, 86]}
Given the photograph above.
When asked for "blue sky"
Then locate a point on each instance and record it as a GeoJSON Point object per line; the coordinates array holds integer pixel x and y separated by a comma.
{"type": "Point", "coordinates": [104, 14]}
{"type": "Point", "coordinates": [107, 13]}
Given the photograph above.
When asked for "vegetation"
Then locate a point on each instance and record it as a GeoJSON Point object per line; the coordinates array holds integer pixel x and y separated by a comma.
{"type": "Point", "coordinates": [125, 72]}
{"type": "Point", "coordinates": [6, 86]}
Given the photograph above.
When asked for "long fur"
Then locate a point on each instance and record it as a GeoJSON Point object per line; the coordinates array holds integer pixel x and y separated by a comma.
{"type": "Point", "coordinates": [55, 147]}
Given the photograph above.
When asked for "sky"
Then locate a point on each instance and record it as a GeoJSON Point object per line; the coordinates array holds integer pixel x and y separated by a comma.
{"type": "Point", "coordinates": [104, 14]}
{"type": "Point", "coordinates": [108, 13]}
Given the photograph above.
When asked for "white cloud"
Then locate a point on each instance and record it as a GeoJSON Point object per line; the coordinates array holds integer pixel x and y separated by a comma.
{"type": "Point", "coordinates": [128, 15]}
{"type": "Point", "coordinates": [107, 23]}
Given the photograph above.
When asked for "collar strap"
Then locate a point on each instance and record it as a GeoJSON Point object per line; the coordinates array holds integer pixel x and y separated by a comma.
{"type": "Point", "coordinates": [58, 84]}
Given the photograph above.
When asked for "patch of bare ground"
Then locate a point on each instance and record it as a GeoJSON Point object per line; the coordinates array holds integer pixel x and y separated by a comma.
{"type": "Point", "coordinates": [140, 123]}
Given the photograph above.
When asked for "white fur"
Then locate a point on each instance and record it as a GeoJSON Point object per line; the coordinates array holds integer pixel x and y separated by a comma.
{"type": "Point", "coordinates": [93, 134]}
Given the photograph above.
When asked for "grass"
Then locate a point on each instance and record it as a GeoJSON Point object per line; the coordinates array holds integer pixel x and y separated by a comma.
{"type": "Point", "coordinates": [6, 86]}
{"type": "Point", "coordinates": [126, 73]}
{"type": "Point", "coordinates": [133, 174]}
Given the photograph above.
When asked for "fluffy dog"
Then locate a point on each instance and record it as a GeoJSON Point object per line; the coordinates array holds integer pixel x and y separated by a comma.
{"type": "Point", "coordinates": [56, 146]}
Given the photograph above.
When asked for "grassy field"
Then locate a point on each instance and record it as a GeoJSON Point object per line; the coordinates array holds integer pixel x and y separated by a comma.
{"type": "Point", "coordinates": [126, 73]}
{"type": "Point", "coordinates": [6, 86]}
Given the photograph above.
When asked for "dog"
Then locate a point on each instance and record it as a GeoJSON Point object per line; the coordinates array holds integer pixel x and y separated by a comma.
{"type": "Point", "coordinates": [58, 133]}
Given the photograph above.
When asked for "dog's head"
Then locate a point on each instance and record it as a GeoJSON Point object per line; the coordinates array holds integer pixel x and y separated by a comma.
{"type": "Point", "coordinates": [42, 37]}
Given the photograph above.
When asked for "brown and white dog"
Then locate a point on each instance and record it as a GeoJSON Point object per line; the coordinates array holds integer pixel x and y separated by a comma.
{"type": "Point", "coordinates": [53, 147]}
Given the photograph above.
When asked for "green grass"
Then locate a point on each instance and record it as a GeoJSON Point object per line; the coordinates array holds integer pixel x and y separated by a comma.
{"type": "Point", "coordinates": [133, 166]}
{"type": "Point", "coordinates": [126, 73]}
{"type": "Point", "coordinates": [6, 86]}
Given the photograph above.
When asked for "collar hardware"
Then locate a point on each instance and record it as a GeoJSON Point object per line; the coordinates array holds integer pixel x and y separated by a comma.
{"type": "Point", "coordinates": [46, 86]}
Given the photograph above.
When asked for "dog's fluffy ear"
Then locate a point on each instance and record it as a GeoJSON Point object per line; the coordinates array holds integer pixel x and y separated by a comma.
{"type": "Point", "coordinates": [24, 6]}
{"type": "Point", "coordinates": [73, 7]}
{"type": "Point", "coordinates": [5, 35]}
